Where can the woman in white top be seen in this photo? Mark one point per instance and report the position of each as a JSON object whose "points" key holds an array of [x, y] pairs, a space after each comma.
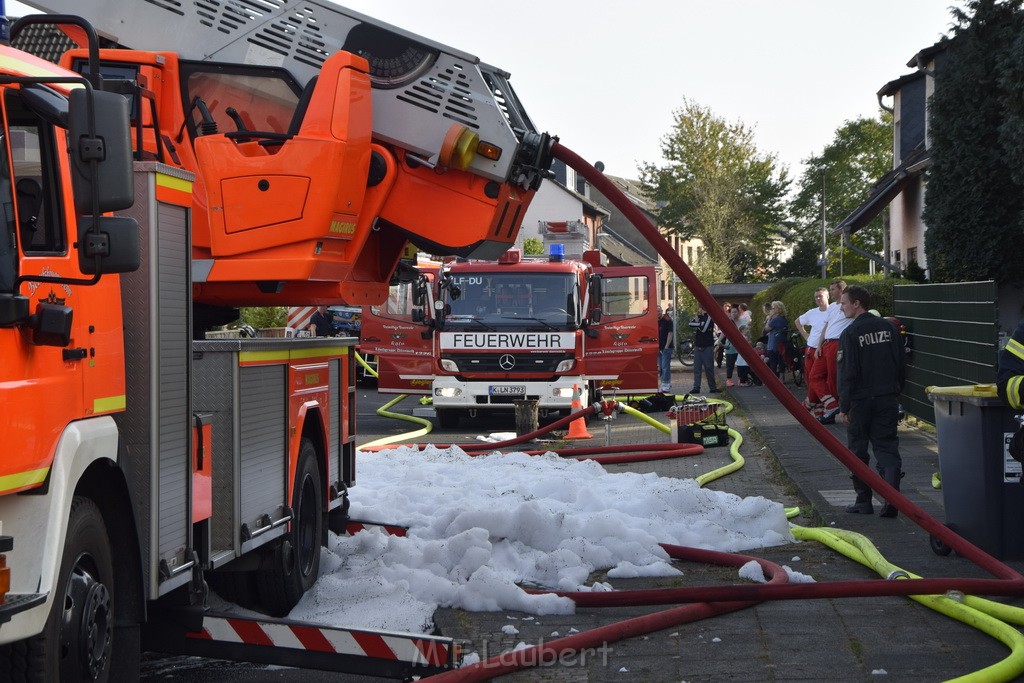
{"points": [[815, 319]]}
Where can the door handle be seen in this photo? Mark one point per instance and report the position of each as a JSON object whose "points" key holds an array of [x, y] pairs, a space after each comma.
{"points": [[74, 354]]}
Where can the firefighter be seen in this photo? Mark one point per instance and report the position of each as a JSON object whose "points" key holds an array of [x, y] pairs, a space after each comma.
{"points": [[1010, 375], [323, 322], [870, 374]]}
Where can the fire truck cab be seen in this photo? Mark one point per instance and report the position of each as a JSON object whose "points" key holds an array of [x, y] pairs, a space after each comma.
{"points": [[480, 335]]}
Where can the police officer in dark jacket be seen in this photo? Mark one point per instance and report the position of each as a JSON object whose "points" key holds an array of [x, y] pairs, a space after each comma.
{"points": [[870, 373]]}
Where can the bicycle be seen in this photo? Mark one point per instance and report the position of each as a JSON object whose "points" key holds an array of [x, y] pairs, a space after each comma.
{"points": [[792, 354], [684, 352]]}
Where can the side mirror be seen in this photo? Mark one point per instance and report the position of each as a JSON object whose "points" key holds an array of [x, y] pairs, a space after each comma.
{"points": [[111, 149], [595, 281], [50, 325], [13, 309], [419, 292], [118, 244]]}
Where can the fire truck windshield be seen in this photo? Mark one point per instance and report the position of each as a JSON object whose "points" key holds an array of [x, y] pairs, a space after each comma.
{"points": [[512, 299]]}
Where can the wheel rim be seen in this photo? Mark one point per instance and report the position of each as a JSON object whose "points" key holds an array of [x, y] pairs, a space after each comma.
{"points": [[306, 538], [86, 622]]}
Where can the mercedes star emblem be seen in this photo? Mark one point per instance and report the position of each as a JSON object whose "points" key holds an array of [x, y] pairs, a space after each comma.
{"points": [[507, 362]]}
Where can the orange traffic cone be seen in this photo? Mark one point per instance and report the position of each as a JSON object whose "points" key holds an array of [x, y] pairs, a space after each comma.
{"points": [[578, 427]]}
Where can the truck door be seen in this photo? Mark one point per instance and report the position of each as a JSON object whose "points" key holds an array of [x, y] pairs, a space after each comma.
{"points": [[397, 332], [621, 350]]}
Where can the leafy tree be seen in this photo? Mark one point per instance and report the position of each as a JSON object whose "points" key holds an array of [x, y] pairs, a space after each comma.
{"points": [[975, 186], [718, 187], [533, 245], [858, 156], [804, 260], [264, 316]]}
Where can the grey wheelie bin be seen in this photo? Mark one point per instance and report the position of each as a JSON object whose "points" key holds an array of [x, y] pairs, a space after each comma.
{"points": [[981, 483]]}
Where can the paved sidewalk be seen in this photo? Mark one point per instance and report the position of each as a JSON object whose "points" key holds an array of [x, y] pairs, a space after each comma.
{"points": [[890, 639], [909, 642]]}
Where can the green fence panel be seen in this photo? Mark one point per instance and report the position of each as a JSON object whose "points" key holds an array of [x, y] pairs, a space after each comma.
{"points": [[954, 338]]}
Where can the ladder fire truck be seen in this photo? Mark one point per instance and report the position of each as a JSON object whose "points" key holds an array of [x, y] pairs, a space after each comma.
{"points": [[143, 462], [478, 335]]}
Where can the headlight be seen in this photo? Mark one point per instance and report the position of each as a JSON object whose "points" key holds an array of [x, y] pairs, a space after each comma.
{"points": [[566, 365], [449, 365], [448, 392], [563, 392]]}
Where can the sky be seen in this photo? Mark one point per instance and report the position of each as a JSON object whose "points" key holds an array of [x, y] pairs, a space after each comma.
{"points": [[481, 526], [606, 76]]}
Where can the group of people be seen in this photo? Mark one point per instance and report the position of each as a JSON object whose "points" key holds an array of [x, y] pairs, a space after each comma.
{"points": [[855, 369], [854, 364]]}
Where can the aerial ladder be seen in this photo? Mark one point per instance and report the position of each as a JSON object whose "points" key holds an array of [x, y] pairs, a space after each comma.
{"points": [[321, 140], [146, 463]]}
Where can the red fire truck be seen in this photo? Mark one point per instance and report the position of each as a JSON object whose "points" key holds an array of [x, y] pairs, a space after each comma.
{"points": [[142, 462], [478, 335]]}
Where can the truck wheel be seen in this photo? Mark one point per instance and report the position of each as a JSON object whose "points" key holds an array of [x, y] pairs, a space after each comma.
{"points": [[447, 418], [238, 587], [77, 641], [295, 562]]}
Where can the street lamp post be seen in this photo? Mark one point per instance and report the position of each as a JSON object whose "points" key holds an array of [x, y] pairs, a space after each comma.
{"points": [[824, 245]]}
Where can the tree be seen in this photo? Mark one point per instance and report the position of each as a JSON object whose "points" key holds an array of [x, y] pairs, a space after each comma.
{"points": [[975, 191], [264, 317], [804, 260], [858, 156], [718, 187], [533, 245]]}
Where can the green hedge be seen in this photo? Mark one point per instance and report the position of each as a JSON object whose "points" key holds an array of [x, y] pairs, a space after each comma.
{"points": [[798, 296]]}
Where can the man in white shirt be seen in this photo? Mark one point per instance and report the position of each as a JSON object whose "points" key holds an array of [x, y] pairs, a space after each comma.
{"points": [[822, 378], [815, 319]]}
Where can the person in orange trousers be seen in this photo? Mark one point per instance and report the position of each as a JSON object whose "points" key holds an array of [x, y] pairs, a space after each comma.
{"points": [[815, 319], [823, 372]]}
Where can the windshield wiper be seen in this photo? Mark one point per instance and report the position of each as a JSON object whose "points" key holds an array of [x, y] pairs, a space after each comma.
{"points": [[523, 317], [466, 319]]}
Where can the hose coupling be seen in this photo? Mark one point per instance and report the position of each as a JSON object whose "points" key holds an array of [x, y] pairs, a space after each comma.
{"points": [[897, 574]]}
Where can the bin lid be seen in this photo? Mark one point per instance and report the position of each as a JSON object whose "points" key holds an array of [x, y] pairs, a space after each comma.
{"points": [[977, 394]]}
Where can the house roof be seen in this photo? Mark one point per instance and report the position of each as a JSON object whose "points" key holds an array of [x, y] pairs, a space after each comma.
{"points": [[634, 191], [894, 86], [619, 248], [885, 190], [725, 290], [924, 56]]}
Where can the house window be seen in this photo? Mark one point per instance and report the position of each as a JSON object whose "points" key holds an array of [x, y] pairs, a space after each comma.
{"points": [[897, 256], [689, 255], [912, 255]]}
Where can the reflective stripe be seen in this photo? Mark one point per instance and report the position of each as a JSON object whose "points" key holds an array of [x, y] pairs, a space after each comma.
{"points": [[1013, 392], [22, 479], [180, 184], [1016, 348], [109, 404], [31, 66], [291, 354]]}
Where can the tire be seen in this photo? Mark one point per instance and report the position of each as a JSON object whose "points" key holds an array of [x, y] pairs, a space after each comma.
{"points": [[295, 562], [78, 642], [240, 587], [447, 418], [938, 547]]}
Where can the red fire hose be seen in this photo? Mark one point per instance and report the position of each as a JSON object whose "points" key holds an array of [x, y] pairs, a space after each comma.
{"points": [[1009, 582]]}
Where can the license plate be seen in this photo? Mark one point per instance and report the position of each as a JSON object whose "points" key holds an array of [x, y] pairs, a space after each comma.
{"points": [[508, 390]]}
